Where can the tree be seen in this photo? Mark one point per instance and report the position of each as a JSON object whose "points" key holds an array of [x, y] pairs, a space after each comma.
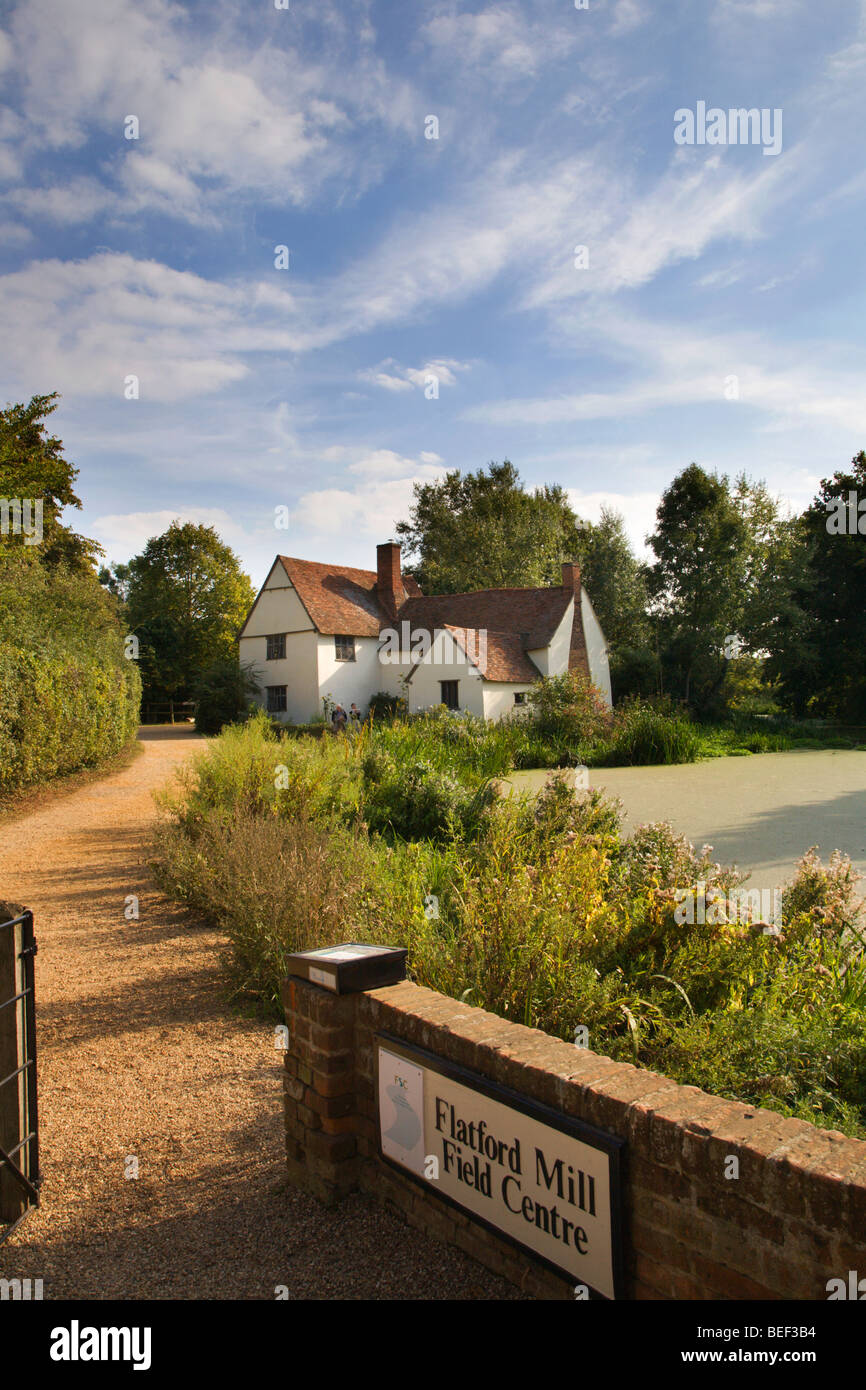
{"points": [[186, 598], [818, 649], [68, 695], [223, 693], [616, 583], [33, 469], [485, 531], [771, 550], [721, 584], [116, 580], [695, 584]]}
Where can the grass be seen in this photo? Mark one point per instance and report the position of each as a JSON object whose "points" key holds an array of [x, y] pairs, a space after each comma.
{"points": [[639, 734], [539, 909], [742, 736]]}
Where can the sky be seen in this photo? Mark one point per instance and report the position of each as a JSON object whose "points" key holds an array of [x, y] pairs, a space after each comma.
{"points": [[431, 171]]}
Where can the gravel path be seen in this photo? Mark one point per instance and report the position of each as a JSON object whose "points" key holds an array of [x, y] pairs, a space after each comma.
{"points": [[141, 1057]]}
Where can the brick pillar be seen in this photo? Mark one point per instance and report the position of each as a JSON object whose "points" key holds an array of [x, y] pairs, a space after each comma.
{"points": [[320, 1089]]}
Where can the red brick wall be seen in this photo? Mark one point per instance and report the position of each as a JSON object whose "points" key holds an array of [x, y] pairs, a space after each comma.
{"points": [[794, 1218]]}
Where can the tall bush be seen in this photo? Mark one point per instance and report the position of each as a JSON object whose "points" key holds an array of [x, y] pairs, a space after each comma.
{"points": [[69, 698], [61, 713]]}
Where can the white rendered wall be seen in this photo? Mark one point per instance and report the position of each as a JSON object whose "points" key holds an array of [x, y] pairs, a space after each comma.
{"points": [[445, 662], [298, 672], [277, 608], [345, 681], [499, 700], [560, 645], [596, 650], [553, 659]]}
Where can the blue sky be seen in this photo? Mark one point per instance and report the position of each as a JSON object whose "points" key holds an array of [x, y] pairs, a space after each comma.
{"points": [[410, 257]]}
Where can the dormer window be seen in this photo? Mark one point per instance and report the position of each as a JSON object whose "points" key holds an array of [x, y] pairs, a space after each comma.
{"points": [[344, 648]]}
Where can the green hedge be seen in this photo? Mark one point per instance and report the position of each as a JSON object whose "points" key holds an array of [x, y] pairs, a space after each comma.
{"points": [[61, 713]]}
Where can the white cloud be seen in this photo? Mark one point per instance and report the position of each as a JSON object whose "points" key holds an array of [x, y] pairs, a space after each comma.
{"points": [[501, 40], [627, 16], [86, 325], [442, 368], [385, 463], [378, 376], [722, 278], [392, 377], [14, 234], [89, 324], [85, 321], [332, 513], [126, 534], [150, 182], [630, 240], [11, 135], [674, 365], [638, 511], [506, 216], [223, 108], [370, 510], [79, 200]]}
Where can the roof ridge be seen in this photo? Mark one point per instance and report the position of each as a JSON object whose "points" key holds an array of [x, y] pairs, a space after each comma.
{"points": [[524, 589], [320, 564]]}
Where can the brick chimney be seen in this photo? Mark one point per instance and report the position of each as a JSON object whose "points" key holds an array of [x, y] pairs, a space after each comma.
{"points": [[389, 581], [571, 577], [578, 659]]}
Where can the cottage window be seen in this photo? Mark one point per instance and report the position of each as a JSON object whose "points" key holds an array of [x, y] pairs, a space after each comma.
{"points": [[449, 694], [276, 699], [520, 697], [344, 648], [276, 647]]}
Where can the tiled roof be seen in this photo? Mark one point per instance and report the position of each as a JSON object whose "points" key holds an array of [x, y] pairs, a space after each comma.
{"points": [[531, 611], [515, 620], [339, 599], [499, 656]]}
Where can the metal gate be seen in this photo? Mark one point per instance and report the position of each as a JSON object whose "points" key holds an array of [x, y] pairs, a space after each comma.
{"points": [[19, 1126]]}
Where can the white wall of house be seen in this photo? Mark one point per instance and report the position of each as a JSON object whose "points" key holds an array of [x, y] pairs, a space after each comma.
{"points": [[553, 659], [425, 688], [278, 609], [499, 700], [446, 661], [297, 672], [596, 649], [346, 681]]}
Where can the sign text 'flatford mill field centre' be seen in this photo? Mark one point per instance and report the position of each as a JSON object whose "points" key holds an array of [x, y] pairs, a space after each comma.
{"points": [[542, 1180]]}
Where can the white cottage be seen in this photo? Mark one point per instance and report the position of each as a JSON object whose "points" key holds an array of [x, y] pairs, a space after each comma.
{"points": [[328, 631]]}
